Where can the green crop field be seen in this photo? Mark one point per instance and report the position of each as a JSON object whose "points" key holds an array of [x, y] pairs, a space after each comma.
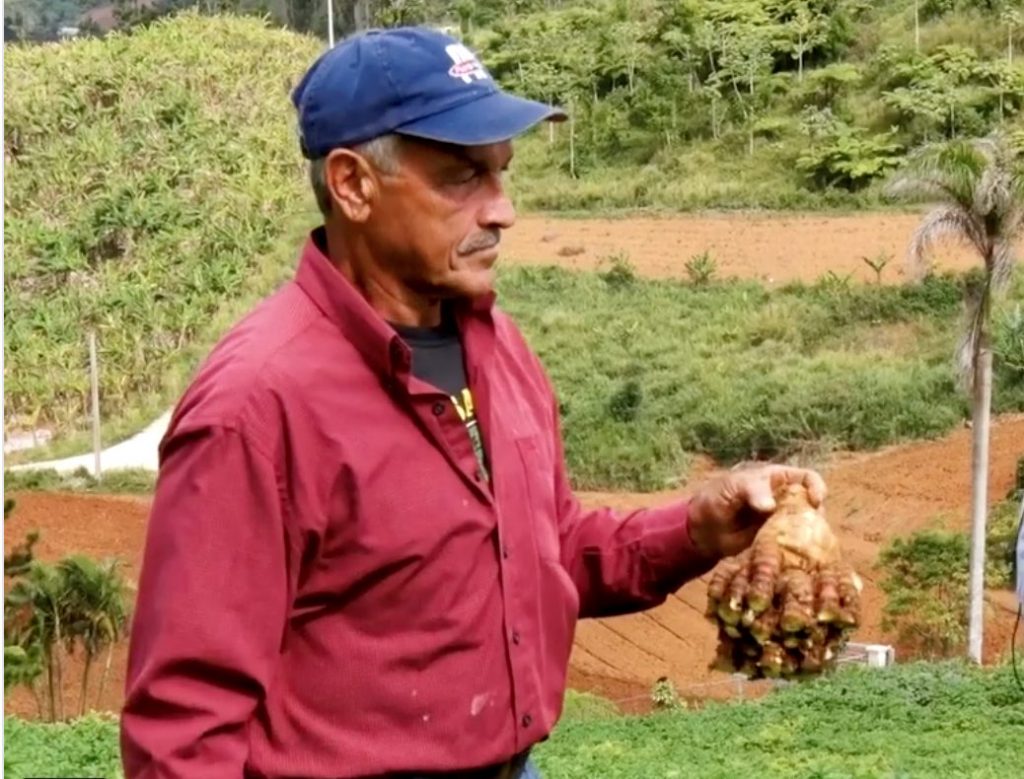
{"points": [[919, 721]]}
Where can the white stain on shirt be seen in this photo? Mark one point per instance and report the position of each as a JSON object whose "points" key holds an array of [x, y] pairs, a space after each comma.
{"points": [[478, 703]]}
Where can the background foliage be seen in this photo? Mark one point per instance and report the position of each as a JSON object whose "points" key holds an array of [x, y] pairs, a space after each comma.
{"points": [[154, 190], [145, 184], [649, 371]]}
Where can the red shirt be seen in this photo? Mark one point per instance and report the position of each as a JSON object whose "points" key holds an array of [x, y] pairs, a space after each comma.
{"points": [[330, 588]]}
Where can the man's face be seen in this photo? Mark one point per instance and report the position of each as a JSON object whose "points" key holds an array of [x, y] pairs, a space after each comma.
{"points": [[438, 219]]}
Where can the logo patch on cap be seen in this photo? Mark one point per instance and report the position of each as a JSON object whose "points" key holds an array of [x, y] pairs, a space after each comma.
{"points": [[467, 66]]}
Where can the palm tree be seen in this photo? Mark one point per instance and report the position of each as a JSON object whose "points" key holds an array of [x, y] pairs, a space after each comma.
{"points": [[980, 186], [50, 608], [34, 611], [95, 612]]}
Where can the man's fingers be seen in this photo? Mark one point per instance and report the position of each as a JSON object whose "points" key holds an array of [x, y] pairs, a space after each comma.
{"points": [[811, 480]]}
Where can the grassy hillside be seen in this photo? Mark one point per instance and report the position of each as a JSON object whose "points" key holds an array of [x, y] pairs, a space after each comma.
{"points": [[914, 722], [148, 179]]}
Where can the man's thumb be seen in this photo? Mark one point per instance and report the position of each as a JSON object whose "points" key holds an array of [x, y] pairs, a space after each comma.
{"points": [[760, 496]]}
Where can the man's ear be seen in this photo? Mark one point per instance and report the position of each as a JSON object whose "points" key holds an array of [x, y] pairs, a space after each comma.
{"points": [[352, 183]]}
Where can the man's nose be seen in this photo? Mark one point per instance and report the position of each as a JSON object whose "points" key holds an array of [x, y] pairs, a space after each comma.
{"points": [[498, 212]]}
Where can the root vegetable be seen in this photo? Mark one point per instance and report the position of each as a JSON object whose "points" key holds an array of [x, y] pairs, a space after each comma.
{"points": [[787, 606], [764, 625], [798, 602], [766, 562], [737, 591], [828, 595], [720, 582]]}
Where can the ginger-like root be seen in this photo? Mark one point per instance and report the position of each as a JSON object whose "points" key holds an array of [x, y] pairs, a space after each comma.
{"points": [[787, 606], [798, 604], [772, 659], [730, 610], [766, 562], [803, 535], [849, 587], [764, 625], [719, 584], [828, 595]]}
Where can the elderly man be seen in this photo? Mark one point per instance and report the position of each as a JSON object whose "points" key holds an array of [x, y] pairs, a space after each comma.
{"points": [[365, 557]]}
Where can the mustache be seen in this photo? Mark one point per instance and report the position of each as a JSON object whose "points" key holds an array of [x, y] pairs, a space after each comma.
{"points": [[487, 239]]}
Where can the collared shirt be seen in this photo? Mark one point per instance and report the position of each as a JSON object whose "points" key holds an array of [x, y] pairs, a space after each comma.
{"points": [[330, 587]]}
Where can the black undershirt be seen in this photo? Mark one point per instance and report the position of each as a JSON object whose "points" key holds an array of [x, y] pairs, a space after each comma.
{"points": [[437, 359]]}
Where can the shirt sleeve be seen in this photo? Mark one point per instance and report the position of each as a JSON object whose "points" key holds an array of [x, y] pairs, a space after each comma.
{"points": [[623, 563], [210, 612]]}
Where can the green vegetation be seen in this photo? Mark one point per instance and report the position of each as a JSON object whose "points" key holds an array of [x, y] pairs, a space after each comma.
{"points": [[926, 589], [649, 371], [132, 481], [914, 722], [926, 576], [52, 610], [188, 203], [746, 103], [85, 747], [148, 181]]}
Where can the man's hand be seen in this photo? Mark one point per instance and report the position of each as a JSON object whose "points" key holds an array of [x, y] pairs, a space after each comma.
{"points": [[727, 512]]}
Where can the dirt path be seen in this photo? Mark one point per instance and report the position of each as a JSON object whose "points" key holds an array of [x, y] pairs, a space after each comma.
{"points": [[873, 497], [775, 247]]}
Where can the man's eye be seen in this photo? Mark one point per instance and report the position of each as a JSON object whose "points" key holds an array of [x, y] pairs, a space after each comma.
{"points": [[464, 176]]}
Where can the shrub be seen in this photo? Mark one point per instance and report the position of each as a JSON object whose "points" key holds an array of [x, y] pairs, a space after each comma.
{"points": [[701, 269], [849, 159], [926, 587]]}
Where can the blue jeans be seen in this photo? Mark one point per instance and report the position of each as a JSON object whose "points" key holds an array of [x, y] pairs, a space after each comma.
{"points": [[530, 771]]}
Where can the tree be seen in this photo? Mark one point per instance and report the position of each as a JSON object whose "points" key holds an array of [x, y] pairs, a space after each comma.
{"points": [[33, 621], [803, 27], [51, 608], [95, 613], [981, 186], [746, 60], [1012, 18]]}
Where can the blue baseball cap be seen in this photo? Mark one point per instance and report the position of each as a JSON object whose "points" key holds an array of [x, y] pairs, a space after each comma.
{"points": [[411, 81]]}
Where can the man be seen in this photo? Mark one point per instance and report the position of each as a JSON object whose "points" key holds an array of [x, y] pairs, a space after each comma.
{"points": [[364, 556]]}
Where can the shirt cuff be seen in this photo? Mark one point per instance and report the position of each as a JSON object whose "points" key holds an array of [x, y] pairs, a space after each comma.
{"points": [[671, 555]]}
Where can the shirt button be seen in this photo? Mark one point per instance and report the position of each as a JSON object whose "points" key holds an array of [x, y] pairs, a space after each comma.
{"points": [[527, 720], [438, 409], [515, 637], [504, 552]]}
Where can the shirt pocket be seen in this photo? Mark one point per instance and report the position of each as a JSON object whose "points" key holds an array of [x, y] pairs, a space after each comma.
{"points": [[540, 509]]}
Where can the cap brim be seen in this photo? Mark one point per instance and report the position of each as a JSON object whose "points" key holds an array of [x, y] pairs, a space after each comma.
{"points": [[492, 119]]}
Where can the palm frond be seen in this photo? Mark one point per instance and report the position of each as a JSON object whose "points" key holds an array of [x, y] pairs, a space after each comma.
{"points": [[994, 193], [943, 221], [950, 171], [912, 184]]}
